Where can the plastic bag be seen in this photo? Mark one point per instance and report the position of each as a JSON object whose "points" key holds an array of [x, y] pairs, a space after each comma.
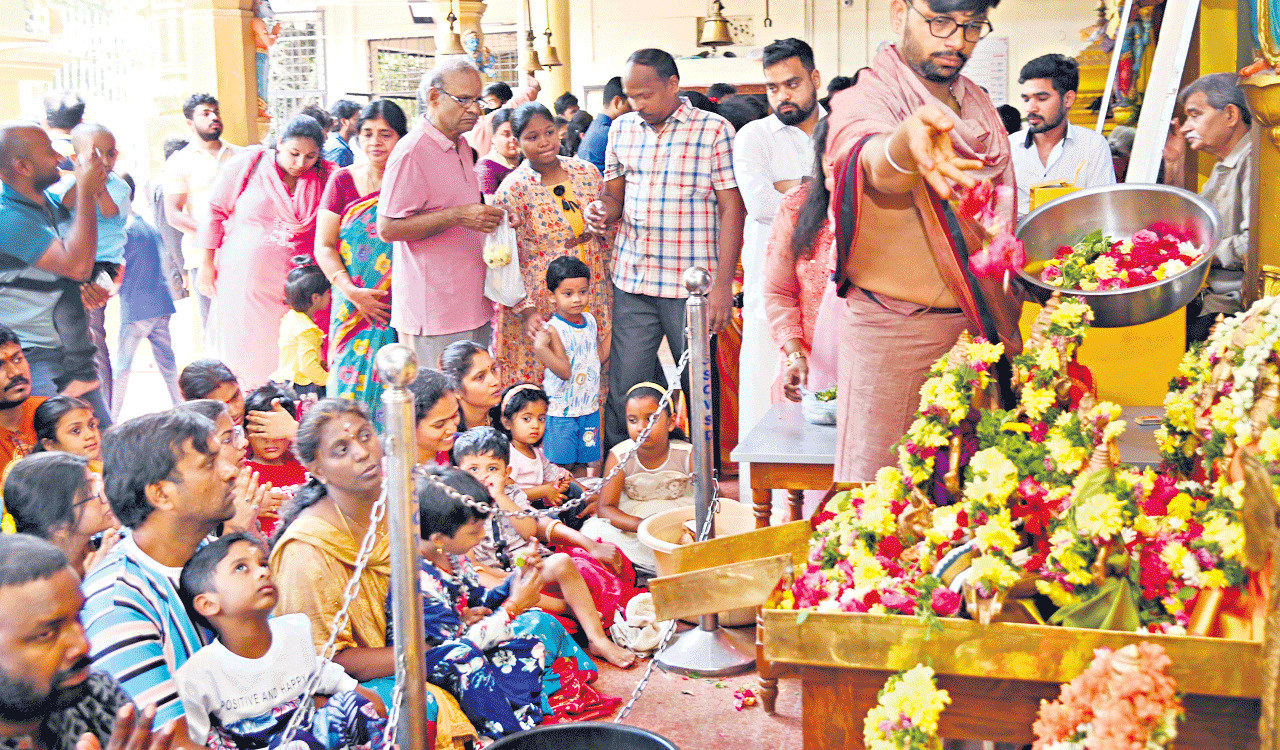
{"points": [[503, 282]]}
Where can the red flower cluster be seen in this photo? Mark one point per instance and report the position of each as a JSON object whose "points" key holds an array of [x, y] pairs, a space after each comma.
{"points": [[1138, 264]]}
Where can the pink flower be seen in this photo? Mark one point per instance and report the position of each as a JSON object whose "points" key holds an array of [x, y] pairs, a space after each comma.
{"points": [[944, 601]]}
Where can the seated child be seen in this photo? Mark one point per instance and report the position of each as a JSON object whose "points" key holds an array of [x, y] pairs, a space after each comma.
{"points": [[484, 453], [571, 348], [240, 691], [435, 415], [302, 364], [656, 478], [476, 654], [272, 457], [522, 417]]}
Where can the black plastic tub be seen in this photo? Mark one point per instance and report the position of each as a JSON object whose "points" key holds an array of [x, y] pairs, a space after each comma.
{"points": [[585, 735]]}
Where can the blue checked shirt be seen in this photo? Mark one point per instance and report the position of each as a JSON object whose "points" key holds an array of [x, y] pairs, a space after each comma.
{"points": [[670, 215]]}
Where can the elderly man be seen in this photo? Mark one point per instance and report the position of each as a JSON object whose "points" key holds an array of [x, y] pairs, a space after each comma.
{"points": [[1050, 148], [17, 405], [1218, 123], [170, 484], [669, 179], [46, 263], [910, 129], [51, 700], [431, 209], [771, 156]]}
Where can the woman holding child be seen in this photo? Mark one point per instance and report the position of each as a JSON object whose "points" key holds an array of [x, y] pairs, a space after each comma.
{"points": [[318, 542], [547, 192], [357, 262]]}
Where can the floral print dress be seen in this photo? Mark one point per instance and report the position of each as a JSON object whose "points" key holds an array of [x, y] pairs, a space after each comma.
{"points": [[547, 232]]}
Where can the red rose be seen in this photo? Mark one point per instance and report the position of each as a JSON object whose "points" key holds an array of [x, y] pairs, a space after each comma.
{"points": [[890, 547], [944, 601]]}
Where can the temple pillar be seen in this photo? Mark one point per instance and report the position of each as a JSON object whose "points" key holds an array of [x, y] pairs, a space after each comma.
{"points": [[468, 13], [218, 53], [1263, 92]]}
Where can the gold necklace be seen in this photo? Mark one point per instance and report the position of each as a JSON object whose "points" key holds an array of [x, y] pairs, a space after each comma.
{"points": [[342, 516]]}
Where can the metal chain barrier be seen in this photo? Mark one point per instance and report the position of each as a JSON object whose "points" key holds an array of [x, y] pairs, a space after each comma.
{"points": [[393, 711]]}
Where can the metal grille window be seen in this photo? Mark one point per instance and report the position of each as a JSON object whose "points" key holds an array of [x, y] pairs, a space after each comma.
{"points": [[297, 65], [397, 65]]}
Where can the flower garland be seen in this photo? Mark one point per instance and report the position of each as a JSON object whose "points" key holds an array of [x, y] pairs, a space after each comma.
{"points": [[1125, 700], [906, 713]]}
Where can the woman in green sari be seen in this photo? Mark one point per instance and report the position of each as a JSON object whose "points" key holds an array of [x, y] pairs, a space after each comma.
{"points": [[357, 262]]}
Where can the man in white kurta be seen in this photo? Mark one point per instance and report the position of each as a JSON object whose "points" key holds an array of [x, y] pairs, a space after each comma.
{"points": [[770, 156]]}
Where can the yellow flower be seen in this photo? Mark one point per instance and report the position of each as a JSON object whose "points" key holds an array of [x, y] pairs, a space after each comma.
{"points": [[1174, 556], [1057, 593], [360, 347], [1269, 445], [985, 352], [1180, 506], [995, 476], [382, 264], [1226, 533], [1071, 313], [1099, 515], [1113, 430], [1037, 401], [1066, 457], [992, 570], [1047, 358], [997, 533], [944, 524]]}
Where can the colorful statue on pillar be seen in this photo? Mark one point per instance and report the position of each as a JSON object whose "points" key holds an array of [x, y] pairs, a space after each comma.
{"points": [[481, 56], [1266, 35], [266, 30]]}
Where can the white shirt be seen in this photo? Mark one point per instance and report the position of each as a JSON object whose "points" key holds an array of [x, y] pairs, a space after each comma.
{"points": [[245, 695], [1079, 145], [765, 151], [192, 171]]}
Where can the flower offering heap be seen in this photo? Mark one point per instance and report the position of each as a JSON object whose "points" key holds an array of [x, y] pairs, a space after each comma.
{"points": [[906, 714], [1125, 700], [1103, 263], [986, 501]]}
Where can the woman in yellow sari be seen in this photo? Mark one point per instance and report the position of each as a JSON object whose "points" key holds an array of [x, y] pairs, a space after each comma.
{"points": [[315, 550]]}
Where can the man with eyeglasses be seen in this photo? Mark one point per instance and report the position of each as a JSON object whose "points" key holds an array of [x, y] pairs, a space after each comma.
{"points": [[910, 132], [432, 209], [1050, 148]]}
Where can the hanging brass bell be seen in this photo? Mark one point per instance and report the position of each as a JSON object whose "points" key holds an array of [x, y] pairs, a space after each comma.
{"points": [[715, 29]]}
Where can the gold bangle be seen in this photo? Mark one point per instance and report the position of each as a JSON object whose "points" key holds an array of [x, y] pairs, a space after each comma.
{"points": [[793, 356], [336, 274]]}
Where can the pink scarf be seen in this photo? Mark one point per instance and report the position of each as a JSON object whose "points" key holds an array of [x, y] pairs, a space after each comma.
{"points": [[296, 211]]}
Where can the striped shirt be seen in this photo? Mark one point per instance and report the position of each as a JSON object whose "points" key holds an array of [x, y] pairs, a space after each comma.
{"points": [[138, 630], [670, 215]]}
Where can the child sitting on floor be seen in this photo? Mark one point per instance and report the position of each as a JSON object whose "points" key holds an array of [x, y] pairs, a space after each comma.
{"points": [[240, 691], [302, 364], [522, 417], [484, 453], [658, 477], [571, 348], [509, 666], [272, 457]]}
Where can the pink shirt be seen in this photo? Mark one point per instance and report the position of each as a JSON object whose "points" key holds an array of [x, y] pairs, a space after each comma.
{"points": [[438, 285]]}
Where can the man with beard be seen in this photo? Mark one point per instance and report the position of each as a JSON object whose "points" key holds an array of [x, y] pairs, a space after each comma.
{"points": [[1218, 123], [1049, 148], [770, 156], [188, 180], [170, 485], [910, 129], [46, 256], [49, 698], [17, 405]]}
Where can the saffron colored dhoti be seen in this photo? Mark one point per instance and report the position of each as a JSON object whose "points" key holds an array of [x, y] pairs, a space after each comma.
{"points": [[886, 350]]}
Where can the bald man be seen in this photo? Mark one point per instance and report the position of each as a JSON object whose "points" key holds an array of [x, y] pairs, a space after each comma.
{"points": [[45, 253]]}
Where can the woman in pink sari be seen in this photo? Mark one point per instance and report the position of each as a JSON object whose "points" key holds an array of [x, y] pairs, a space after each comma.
{"points": [[261, 214]]}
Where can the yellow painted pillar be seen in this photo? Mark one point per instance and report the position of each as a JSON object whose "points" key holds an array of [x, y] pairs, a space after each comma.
{"points": [[25, 56], [467, 20], [558, 21], [1263, 92], [219, 57]]}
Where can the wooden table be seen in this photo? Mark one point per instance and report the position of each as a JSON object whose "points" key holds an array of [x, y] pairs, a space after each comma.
{"points": [[786, 453]]}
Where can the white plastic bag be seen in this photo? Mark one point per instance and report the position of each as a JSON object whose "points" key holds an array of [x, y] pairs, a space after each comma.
{"points": [[503, 282]]}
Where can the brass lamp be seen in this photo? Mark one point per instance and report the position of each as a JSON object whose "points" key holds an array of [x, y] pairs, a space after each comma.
{"points": [[454, 45], [715, 29]]}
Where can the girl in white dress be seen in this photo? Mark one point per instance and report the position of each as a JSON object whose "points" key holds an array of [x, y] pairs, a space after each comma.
{"points": [[655, 479]]}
